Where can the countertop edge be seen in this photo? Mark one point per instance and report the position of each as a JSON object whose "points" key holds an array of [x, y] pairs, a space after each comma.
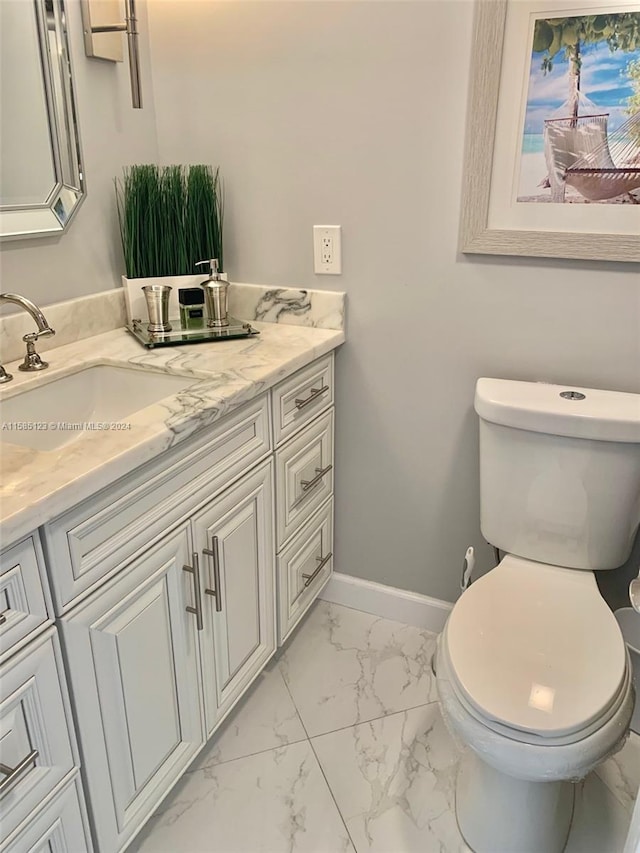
{"points": [[157, 438]]}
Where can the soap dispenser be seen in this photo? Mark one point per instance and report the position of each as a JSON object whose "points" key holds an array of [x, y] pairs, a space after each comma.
{"points": [[215, 294]]}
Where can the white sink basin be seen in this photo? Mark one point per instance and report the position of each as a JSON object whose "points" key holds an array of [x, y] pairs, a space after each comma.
{"points": [[51, 415]]}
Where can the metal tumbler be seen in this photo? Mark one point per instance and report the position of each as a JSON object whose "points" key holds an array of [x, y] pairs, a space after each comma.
{"points": [[157, 296], [216, 298]]}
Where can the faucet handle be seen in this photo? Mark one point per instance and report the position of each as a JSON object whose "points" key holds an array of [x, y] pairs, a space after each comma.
{"points": [[32, 360], [33, 336]]}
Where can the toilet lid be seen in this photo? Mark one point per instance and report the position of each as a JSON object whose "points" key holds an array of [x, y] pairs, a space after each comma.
{"points": [[536, 648]]}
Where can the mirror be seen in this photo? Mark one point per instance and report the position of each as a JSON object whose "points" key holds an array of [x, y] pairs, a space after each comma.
{"points": [[41, 175]]}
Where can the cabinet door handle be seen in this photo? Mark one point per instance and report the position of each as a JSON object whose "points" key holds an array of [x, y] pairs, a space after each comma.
{"points": [[195, 571], [315, 393], [320, 472], [323, 563], [213, 552], [14, 773]]}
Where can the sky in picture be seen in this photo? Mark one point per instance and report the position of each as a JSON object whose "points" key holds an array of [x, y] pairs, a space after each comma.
{"points": [[603, 80]]}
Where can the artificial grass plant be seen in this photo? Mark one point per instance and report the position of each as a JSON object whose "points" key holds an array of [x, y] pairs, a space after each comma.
{"points": [[170, 217]]}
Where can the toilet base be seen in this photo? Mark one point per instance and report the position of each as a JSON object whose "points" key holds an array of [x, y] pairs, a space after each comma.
{"points": [[500, 814]]}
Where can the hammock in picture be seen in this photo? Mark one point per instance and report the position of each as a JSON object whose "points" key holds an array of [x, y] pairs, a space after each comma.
{"points": [[580, 153]]}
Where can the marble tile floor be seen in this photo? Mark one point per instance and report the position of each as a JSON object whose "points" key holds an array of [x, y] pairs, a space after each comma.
{"points": [[340, 746]]}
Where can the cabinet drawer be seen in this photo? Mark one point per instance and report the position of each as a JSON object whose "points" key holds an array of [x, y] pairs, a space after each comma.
{"points": [[23, 606], [304, 567], [35, 745], [299, 399], [59, 826], [304, 472], [92, 540]]}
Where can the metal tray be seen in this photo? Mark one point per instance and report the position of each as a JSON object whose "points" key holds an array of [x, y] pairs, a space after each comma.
{"points": [[179, 336]]}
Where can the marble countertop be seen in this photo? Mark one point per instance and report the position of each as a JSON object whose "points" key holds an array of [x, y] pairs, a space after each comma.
{"points": [[36, 486]]}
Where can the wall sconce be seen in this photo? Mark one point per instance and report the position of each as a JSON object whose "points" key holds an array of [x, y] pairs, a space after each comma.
{"points": [[102, 37]]}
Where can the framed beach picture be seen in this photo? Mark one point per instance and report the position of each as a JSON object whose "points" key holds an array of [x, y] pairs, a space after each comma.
{"points": [[552, 154]]}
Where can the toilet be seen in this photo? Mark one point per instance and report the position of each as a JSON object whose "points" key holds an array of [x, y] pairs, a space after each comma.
{"points": [[533, 675]]}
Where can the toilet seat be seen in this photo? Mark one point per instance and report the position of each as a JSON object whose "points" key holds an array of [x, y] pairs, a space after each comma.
{"points": [[534, 738], [535, 653]]}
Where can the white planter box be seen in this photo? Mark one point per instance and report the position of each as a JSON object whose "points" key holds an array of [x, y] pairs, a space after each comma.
{"points": [[134, 297]]}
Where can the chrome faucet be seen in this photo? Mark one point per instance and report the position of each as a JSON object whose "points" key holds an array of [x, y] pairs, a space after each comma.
{"points": [[32, 360]]}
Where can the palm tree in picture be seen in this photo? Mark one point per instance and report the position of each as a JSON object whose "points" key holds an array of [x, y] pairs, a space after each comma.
{"points": [[568, 36]]}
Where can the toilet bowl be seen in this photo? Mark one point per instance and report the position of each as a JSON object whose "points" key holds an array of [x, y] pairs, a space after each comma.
{"points": [[534, 678], [531, 668]]}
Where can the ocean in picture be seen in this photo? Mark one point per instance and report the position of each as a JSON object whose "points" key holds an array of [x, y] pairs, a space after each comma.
{"points": [[532, 143], [584, 98]]}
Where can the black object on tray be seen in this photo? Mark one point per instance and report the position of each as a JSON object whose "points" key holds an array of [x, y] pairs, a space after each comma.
{"points": [[180, 335]]}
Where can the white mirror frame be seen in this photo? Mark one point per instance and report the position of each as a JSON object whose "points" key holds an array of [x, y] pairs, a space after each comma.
{"points": [[54, 215]]}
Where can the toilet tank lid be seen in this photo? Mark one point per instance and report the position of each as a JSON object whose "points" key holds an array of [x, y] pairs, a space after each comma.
{"points": [[560, 409]]}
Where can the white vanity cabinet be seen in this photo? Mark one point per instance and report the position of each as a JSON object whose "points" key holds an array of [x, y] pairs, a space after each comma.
{"points": [[38, 755], [164, 648], [172, 588], [303, 407]]}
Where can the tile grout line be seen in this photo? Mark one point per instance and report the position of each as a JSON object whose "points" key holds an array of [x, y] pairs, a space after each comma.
{"points": [[330, 789], [247, 754], [266, 749], [318, 762], [341, 728], [373, 719]]}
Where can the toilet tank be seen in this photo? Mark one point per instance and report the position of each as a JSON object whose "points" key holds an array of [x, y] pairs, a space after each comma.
{"points": [[559, 472]]}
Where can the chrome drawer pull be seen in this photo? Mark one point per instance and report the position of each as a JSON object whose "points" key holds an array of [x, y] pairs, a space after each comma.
{"points": [[195, 571], [320, 472], [323, 563], [216, 573], [315, 392], [14, 773]]}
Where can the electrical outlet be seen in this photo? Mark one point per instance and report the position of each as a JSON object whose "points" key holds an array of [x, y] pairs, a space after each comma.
{"points": [[327, 250]]}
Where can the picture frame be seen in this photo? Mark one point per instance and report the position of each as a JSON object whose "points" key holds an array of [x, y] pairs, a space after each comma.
{"points": [[477, 235]]}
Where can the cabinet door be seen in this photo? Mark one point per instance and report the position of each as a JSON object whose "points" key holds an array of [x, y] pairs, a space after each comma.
{"points": [[133, 664], [234, 536]]}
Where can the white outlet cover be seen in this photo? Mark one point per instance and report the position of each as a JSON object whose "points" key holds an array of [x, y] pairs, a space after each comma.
{"points": [[327, 249]]}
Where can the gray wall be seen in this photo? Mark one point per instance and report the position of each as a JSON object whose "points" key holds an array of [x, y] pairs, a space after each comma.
{"points": [[350, 113], [353, 113], [87, 258]]}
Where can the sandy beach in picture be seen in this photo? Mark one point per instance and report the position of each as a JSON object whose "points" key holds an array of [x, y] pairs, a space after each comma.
{"points": [[533, 173]]}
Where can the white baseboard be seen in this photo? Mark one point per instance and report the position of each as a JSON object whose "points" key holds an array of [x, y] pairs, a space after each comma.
{"points": [[387, 601]]}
